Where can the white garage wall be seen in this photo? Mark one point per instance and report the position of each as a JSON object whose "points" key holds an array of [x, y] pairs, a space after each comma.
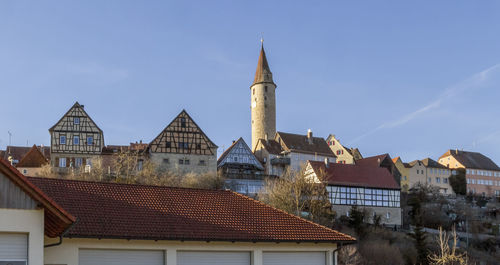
{"points": [[67, 253], [30, 223]]}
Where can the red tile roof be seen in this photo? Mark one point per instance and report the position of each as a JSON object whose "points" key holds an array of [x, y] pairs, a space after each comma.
{"points": [[373, 160], [56, 219], [34, 158], [125, 211], [355, 175]]}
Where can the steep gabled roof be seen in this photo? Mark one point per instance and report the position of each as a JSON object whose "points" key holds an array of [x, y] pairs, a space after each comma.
{"points": [[18, 152], [154, 144], [355, 175], [373, 160], [300, 144], [77, 109], [428, 162], [263, 73], [271, 146], [56, 219], [126, 211], [34, 158], [472, 159], [239, 149]]}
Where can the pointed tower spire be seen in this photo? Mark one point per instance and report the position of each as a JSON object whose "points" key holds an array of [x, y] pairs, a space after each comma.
{"points": [[263, 73]]}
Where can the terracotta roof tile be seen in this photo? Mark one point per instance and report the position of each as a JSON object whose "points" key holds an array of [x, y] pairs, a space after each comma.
{"points": [[299, 143], [110, 210], [356, 175], [472, 159], [34, 158]]}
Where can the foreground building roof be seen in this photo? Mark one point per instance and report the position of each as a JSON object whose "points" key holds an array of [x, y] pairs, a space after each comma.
{"points": [[56, 219], [472, 159], [125, 211], [355, 175]]}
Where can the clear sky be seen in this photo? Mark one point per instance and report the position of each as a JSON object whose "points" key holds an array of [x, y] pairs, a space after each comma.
{"points": [[409, 78]]}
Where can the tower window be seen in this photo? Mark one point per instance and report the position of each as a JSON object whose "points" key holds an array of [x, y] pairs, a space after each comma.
{"points": [[265, 98], [265, 88], [253, 92]]}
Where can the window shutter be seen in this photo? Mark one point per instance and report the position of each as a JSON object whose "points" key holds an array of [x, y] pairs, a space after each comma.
{"points": [[57, 162]]}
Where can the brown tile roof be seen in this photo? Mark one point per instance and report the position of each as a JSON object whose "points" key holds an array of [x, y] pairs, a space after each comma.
{"points": [[373, 160], [263, 73], [428, 162], [300, 144], [271, 146], [18, 152], [56, 219], [472, 159], [34, 158], [355, 175], [125, 211]]}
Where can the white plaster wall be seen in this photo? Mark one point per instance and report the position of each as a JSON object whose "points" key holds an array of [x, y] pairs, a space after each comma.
{"points": [[29, 222], [67, 253], [394, 213]]}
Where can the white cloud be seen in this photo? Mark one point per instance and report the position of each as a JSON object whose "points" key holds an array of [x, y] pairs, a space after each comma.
{"points": [[473, 82]]}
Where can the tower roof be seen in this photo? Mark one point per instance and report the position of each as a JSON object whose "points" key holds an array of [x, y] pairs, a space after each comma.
{"points": [[263, 73]]}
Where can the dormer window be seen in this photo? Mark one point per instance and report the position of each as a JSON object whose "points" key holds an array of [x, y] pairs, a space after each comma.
{"points": [[76, 120]]}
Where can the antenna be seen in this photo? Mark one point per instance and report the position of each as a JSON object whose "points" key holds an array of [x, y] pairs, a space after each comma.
{"points": [[10, 137]]}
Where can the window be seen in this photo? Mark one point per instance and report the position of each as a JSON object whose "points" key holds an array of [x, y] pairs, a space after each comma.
{"points": [[62, 139], [183, 145], [25, 171], [90, 140], [388, 215], [88, 161], [139, 165], [438, 180], [429, 180], [202, 163], [166, 161], [198, 146], [186, 162], [76, 120], [183, 122], [253, 92], [235, 159], [78, 162], [404, 177], [445, 180], [168, 144], [265, 88], [62, 162], [76, 140], [181, 161]]}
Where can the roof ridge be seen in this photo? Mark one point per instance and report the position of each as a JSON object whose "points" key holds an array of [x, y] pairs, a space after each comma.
{"points": [[292, 215], [127, 184]]}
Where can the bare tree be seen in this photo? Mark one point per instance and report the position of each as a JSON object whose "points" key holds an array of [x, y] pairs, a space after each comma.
{"points": [[447, 255]]}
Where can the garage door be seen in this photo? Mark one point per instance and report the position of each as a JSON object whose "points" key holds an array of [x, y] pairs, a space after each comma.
{"points": [[120, 257], [212, 258], [14, 248], [294, 258]]}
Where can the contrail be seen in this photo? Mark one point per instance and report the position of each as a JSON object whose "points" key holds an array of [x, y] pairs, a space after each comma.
{"points": [[473, 81]]}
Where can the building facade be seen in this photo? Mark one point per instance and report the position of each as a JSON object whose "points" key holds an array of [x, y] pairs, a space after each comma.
{"points": [[344, 154], [75, 140], [289, 151], [482, 174], [370, 188], [404, 170], [183, 147], [241, 169], [428, 171]]}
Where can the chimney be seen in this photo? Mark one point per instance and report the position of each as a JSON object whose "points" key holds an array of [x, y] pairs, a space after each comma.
{"points": [[456, 151], [234, 141], [83, 106], [310, 136], [327, 162], [265, 137]]}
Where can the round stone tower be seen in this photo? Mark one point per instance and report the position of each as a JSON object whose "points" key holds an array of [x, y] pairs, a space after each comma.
{"points": [[263, 102]]}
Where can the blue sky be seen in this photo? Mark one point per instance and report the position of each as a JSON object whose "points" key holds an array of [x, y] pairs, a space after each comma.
{"points": [[409, 78]]}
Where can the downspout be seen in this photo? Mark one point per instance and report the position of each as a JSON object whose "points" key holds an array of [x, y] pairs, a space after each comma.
{"points": [[61, 236], [336, 250]]}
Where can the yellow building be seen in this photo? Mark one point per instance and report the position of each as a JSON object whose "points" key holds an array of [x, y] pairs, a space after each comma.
{"points": [[404, 169], [344, 154]]}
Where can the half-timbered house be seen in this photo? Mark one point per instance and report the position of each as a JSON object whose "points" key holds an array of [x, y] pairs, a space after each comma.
{"points": [[183, 147], [241, 169], [75, 140]]}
